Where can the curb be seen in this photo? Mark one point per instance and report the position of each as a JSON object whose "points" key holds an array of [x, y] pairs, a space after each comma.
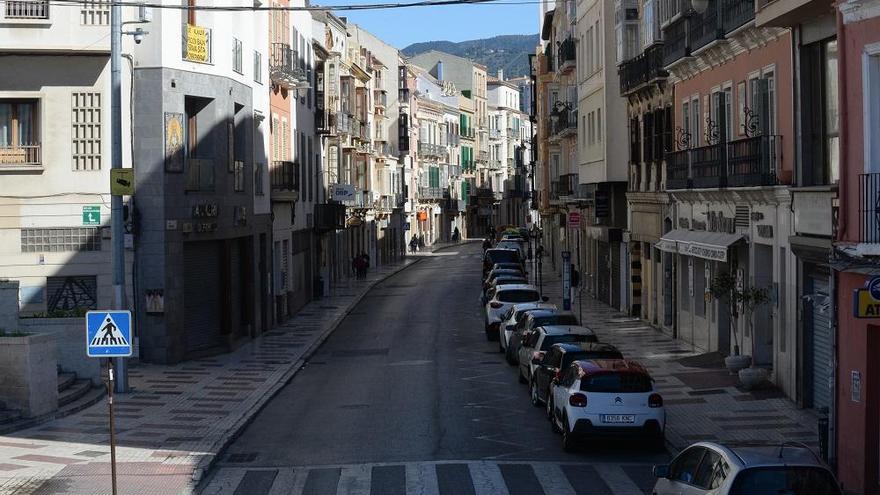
{"points": [[208, 461]]}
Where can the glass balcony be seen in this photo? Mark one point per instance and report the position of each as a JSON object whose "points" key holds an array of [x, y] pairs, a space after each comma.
{"points": [[675, 41]]}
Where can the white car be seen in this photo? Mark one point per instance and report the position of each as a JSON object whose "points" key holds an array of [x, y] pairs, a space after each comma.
{"points": [[538, 341], [517, 314], [711, 468], [503, 299], [518, 244], [606, 398]]}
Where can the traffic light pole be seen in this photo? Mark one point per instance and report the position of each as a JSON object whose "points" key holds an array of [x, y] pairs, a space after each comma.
{"points": [[117, 235]]}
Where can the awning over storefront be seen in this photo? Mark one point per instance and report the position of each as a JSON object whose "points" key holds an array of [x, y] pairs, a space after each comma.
{"points": [[708, 245]]}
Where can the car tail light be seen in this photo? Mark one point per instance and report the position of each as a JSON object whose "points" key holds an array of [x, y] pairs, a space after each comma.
{"points": [[538, 355], [495, 304], [558, 375], [577, 400], [655, 400]]}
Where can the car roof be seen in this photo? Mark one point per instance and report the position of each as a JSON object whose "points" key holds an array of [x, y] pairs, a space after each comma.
{"points": [[543, 313], [502, 264], [764, 454], [564, 329], [586, 346], [599, 366], [512, 239], [532, 306], [492, 250], [496, 271]]}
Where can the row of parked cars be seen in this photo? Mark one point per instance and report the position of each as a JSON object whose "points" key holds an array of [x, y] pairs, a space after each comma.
{"points": [[590, 390]]}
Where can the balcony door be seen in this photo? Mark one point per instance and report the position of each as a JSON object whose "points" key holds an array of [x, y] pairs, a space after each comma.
{"points": [[18, 126]]}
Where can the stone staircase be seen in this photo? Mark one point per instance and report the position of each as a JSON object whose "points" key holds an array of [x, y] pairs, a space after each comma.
{"points": [[74, 395]]}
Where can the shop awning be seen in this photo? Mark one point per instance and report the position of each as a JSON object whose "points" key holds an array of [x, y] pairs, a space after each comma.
{"points": [[708, 245]]}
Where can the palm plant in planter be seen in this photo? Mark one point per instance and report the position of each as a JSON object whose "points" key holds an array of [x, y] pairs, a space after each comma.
{"points": [[741, 300]]}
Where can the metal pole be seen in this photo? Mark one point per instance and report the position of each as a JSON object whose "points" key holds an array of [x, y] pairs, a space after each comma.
{"points": [[117, 234], [112, 432]]}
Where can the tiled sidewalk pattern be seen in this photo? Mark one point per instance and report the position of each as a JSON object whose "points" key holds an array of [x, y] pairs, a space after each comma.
{"points": [[175, 420], [701, 404]]}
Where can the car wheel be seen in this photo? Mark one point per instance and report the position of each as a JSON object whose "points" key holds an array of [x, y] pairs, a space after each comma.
{"points": [[549, 408], [509, 356], [533, 393], [568, 441], [554, 425]]}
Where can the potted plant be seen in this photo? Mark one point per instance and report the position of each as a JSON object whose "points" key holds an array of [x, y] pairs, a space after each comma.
{"points": [[741, 300]]}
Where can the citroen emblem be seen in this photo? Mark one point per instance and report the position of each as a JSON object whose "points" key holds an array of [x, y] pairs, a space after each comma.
{"points": [[618, 400]]}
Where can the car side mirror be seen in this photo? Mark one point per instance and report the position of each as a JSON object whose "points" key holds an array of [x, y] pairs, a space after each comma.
{"points": [[661, 471], [545, 298]]}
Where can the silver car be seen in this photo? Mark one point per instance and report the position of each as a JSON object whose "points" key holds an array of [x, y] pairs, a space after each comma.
{"points": [[711, 468]]}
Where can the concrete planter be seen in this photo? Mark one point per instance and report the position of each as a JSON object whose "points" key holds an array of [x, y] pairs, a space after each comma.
{"points": [[735, 363], [29, 374], [752, 378], [70, 344]]}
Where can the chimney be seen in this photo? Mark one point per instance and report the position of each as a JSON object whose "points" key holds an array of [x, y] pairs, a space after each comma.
{"points": [[500, 74], [439, 70]]}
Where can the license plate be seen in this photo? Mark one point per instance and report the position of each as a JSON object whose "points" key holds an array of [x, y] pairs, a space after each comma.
{"points": [[618, 418]]}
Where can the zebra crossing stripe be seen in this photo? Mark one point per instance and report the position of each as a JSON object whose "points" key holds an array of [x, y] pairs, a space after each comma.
{"points": [[552, 479], [285, 482], [421, 479], [354, 480], [487, 478]]}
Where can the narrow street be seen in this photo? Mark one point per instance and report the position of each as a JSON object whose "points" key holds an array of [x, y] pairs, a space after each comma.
{"points": [[407, 396]]}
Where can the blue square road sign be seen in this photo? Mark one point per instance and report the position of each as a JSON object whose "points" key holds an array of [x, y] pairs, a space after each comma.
{"points": [[108, 333]]}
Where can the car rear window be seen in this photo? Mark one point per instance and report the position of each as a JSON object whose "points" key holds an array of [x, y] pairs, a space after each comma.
{"points": [[784, 480], [503, 256], [542, 321], [617, 383], [566, 338], [518, 295], [571, 357]]}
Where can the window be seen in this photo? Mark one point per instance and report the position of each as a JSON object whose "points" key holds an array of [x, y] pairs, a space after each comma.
{"points": [[599, 124], [96, 13], [19, 132], [86, 131], [258, 67], [62, 239], [617, 383], [72, 293], [871, 106], [820, 160], [684, 467], [695, 122], [237, 65], [238, 175], [259, 171], [706, 471]]}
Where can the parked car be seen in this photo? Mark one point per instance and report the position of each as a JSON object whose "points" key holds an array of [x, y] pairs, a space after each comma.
{"points": [[502, 299], [501, 271], [500, 280], [707, 467], [542, 338], [495, 255], [606, 398], [551, 364], [535, 319], [517, 314], [510, 266], [511, 243]]}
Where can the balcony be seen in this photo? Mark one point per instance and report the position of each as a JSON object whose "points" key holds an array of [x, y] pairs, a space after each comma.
{"points": [[563, 121], [567, 56], [431, 193], [432, 150], [705, 28], [454, 171], [386, 202], [494, 133], [749, 162], [325, 121], [385, 149], [345, 123], [197, 44], [27, 9], [645, 68], [284, 178], [869, 210], [20, 157], [363, 148], [362, 200], [482, 156], [675, 41], [283, 66], [380, 98], [736, 13]]}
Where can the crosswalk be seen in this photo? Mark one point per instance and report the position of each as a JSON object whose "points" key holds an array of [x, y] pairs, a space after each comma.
{"points": [[436, 478]]}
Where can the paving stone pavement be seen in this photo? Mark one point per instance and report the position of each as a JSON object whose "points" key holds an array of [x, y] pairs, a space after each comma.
{"points": [[702, 404], [172, 425]]}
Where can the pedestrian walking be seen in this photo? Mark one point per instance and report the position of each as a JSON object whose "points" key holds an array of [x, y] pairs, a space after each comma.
{"points": [[365, 263], [456, 235], [354, 266], [413, 244], [421, 241]]}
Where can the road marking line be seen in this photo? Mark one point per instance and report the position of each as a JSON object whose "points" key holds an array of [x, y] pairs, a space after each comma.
{"points": [[299, 481], [421, 479], [284, 482], [552, 479], [616, 478], [226, 481], [487, 479], [354, 480]]}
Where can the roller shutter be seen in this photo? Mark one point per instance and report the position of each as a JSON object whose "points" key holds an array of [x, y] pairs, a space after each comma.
{"points": [[201, 287]]}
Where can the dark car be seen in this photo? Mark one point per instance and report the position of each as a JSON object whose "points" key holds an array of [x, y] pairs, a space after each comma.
{"points": [[493, 256], [509, 265], [559, 357], [534, 320]]}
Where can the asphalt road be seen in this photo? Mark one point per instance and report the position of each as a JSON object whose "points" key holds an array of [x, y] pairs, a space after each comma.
{"points": [[408, 380]]}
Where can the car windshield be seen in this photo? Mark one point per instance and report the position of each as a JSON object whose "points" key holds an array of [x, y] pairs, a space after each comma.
{"points": [[543, 321], [503, 256], [571, 357], [784, 480], [617, 383], [566, 338], [518, 295]]}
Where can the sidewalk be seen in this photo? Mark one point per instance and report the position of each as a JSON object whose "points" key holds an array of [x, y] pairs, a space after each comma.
{"points": [[702, 399], [177, 419]]}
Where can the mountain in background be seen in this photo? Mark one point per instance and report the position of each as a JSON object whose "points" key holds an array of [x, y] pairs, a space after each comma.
{"points": [[507, 52]]}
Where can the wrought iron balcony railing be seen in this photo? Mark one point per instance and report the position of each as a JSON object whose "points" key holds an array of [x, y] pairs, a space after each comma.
{"points": [[706, 27], [748, 162], [567, 55], [426, 192], [432, 150], [284, 176], [20, 155], [869, 208], [642, 69], [283, 66], [675, 41]]}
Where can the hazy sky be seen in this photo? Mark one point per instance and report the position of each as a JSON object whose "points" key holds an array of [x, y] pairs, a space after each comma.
{"points": [[401, 27]]}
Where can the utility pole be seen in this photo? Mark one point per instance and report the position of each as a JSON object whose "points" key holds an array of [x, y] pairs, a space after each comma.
{"points": [[117, 232]]}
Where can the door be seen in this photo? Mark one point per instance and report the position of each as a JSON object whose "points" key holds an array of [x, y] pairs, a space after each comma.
{"points": [[817, 315], [602, 276], [201, 295], [668, 291], [682, 473], [762, 319]]}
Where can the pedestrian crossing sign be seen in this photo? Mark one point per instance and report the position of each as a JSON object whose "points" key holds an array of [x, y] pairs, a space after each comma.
{"points": [[108, 333]]}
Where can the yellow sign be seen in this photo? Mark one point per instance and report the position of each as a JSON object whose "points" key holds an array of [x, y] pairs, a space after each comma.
{"points": [[197, 49], [864, 304], [122, 181]]}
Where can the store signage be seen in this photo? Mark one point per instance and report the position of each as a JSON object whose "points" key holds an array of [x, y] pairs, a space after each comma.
{"points": [[574, 220], [205, 210], [666, 245], [197, 44], [719, 223], [765, 231], [705, 251], [866, 301], [342, 192]]}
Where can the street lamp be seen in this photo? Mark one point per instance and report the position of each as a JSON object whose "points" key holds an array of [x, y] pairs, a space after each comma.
{"points": [[700, 6]]}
